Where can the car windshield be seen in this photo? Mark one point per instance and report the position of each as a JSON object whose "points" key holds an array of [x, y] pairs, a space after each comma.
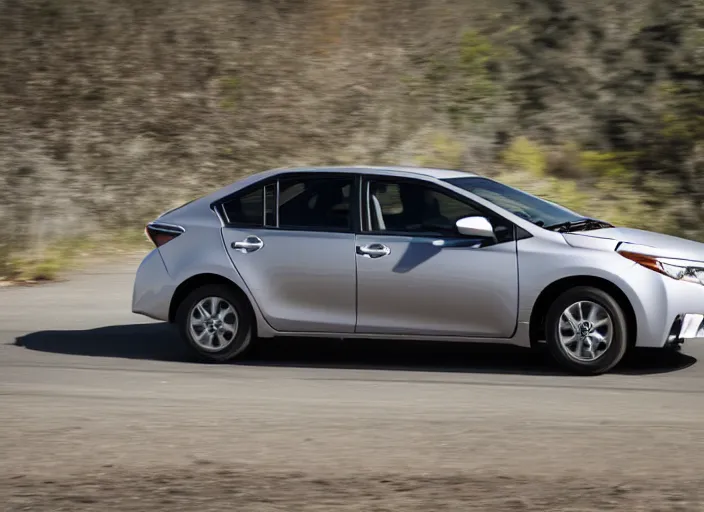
{"points": [[532, 208]]}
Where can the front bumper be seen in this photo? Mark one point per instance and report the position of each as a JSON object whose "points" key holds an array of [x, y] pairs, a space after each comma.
{"points": [[686, 328], [668, 312]]}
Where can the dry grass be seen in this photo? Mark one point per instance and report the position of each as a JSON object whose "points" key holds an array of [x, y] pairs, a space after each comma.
{"points": [[68, 254], [112, 111]]}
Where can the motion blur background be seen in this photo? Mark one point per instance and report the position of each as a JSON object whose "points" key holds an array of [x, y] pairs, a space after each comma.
{"points": [[112, 111]]}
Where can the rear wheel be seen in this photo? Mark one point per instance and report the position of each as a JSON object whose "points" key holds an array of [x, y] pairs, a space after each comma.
{"points": [[215, 323], [587, 331]]}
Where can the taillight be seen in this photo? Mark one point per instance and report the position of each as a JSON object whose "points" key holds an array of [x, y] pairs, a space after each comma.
{"points": [[160, 234]]}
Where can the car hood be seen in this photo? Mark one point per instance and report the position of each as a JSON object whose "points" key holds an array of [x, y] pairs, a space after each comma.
{"points": [[656, 244]]}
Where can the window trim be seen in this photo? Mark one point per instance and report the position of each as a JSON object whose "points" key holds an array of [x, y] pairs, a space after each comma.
{"points": [[366, 209], [276, 205], [355, 197]]}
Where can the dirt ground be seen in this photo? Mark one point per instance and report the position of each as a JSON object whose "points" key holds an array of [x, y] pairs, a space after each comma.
{"points": [[101, 410], [215, 488]]}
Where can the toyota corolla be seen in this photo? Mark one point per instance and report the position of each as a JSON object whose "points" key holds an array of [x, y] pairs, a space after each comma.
{"points": [[414, 253]]}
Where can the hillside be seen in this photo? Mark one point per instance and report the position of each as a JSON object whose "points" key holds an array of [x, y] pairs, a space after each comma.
{"points": [[114, 110]]}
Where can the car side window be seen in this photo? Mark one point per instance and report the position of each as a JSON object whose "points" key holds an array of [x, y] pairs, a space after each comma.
{"points": [[408, 207], [322, 203], [246, 209]]}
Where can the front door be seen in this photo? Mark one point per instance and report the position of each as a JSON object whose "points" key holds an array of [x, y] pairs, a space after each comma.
{"points": [[299, 265], [416, 275]]}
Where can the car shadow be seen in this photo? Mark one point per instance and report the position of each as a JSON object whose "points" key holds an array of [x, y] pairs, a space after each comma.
{"points": [[160, 342]]}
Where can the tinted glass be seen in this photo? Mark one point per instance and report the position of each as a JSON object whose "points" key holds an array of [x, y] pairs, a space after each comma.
{"points": [[316, 203], [408, 207], [522, 204], [247, 209]]}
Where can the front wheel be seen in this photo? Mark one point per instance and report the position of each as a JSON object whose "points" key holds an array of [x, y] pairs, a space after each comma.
{"points": [[587, 331], [215, 323]]}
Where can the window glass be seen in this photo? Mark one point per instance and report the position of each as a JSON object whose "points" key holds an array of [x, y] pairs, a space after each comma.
{"points": [[408, 207], [532, 208], [315, 203], [246, 209]]}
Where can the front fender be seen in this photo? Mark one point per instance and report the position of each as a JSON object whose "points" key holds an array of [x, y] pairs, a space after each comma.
{"points": [[542, 263]]}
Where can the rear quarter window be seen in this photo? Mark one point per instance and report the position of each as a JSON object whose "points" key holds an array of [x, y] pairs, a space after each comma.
{"points": [[246, 209]]}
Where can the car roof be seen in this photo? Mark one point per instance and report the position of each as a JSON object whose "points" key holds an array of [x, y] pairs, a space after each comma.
{"points": [[370, 169]]}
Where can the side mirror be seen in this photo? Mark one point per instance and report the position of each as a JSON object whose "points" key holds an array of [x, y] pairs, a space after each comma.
{"points": [[475, 226]]}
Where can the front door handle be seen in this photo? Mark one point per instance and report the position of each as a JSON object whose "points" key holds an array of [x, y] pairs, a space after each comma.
{"points": [[373, 250], [249, 244]]}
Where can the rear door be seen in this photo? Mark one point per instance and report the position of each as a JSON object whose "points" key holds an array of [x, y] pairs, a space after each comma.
{"points": [[292, 241], [417, 275]]}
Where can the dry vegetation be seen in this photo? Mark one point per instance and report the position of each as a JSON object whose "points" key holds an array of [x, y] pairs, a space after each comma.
{"points": [[113, 110]]}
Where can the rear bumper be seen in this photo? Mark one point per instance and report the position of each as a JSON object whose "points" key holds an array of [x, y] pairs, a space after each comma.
{"points": [[153, 288]]}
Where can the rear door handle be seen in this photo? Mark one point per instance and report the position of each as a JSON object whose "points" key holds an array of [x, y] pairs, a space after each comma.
{"points": [[249, 244], [373, 250]]}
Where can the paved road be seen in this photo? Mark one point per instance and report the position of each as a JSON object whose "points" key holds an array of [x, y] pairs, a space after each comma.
{"points": [[101, 409]]}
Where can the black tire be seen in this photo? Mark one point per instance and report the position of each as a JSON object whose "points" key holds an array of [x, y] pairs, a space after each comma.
{"points": [[238, 344], [619, 343]]}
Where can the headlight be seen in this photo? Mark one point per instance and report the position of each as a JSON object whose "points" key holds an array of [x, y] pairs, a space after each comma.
{"points": [[682, 270]]}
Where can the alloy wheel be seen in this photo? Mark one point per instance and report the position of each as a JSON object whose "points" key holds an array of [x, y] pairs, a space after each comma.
{"points": [[585, 331], [213, 324]]}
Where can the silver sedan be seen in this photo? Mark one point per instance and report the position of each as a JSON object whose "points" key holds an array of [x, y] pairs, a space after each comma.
{"points": [[414, 253]]}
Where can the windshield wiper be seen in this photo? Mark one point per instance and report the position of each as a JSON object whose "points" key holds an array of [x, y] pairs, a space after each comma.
{"points": [[574, 225]]}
